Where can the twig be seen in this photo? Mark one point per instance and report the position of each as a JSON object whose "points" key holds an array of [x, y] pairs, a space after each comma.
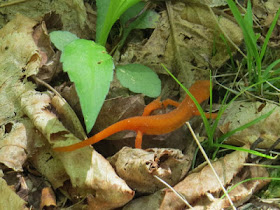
{"points": [[176, 193], [209, 163]]}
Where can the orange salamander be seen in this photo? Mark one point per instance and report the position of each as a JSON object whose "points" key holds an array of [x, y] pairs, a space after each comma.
{"points": [[153, 124]]}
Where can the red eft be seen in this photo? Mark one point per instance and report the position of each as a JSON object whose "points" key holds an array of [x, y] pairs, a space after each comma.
{"points": [[153, 124]]}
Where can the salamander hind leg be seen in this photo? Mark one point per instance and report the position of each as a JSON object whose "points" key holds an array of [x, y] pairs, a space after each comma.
{"points": [[138, 140], [208, 115]]}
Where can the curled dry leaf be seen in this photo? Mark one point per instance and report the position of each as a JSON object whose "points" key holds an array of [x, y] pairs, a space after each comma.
{"points": [[138, 167], [14, 142], [88, 171], [48, 198], [65, 113], [194, 186], [240, 113]]}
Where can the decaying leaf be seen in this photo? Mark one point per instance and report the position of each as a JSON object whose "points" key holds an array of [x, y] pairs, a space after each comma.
{"points": [[240, 113], [17, 140], [239, 195], [72, 13], [196, 185], [264, 12], [17, 132], [138, 167], [9, 199]]}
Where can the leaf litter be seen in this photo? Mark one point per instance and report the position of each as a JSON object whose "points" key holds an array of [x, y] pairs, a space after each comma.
{"points": [[31, 121], [87, 170], [197, 185]]}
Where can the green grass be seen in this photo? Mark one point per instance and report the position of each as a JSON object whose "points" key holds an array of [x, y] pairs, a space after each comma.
{"points": [[255, 57]]}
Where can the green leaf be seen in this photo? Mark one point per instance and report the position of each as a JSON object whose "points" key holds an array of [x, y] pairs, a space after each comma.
{"points": [[149, 19], [91, 69], [108, 12], [139, 79], [62, 38]]}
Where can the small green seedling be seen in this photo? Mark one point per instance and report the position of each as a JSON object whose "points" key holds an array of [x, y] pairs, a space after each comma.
{"points": [[91, 68]]}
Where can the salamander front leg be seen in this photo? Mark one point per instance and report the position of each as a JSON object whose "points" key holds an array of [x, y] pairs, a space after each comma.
{"points": [[170, 102]]}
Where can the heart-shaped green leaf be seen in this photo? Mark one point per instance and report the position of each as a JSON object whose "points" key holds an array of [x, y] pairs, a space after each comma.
{"points": [[139, 79]]}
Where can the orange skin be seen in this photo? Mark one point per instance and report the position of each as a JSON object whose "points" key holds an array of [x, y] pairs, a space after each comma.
{"points": [[155, 124]]}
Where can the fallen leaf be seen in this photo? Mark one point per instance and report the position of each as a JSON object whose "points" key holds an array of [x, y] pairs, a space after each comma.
{"points": [[138, 167], [198, 184], [195, 186], [17, 133], [73, 10], [9, 199], [240, 113]]}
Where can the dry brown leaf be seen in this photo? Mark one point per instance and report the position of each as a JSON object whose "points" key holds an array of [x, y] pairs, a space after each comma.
{"points": [[48, 198], [116, 109], [17, 138], [240, 113], [195, 185], [239, 195], [17, 133], [138, 167], [198, 184], [50, 167]]}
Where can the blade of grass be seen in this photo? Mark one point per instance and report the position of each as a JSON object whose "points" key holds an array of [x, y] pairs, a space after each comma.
{"points": [[253, 152], [205, 121], [248, 33], [210, 165], [269, 68], [258, 119], [265, 43], [251, 179]]}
